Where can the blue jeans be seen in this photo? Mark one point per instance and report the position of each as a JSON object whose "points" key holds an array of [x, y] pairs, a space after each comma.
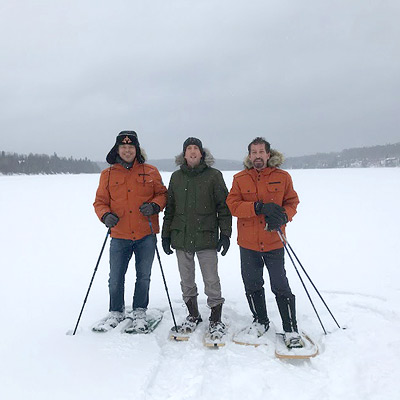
{"points": [[121, 251]]}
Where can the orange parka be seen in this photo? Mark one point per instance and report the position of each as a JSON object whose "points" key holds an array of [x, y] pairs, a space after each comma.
{"points": [[269, 185], [122, 191]]}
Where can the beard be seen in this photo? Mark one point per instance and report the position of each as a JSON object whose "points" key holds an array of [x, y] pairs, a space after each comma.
{"points": [[259, 163]]}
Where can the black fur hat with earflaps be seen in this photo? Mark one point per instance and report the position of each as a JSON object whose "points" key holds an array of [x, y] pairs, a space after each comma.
{"points": [[125, 137]]}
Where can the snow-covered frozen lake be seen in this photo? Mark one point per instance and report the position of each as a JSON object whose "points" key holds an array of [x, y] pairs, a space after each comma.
{"points": [[346, 234]]}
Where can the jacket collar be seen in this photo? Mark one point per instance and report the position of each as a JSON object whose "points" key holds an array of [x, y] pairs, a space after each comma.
{"points": [[119, 166], [193, 171], [208, 158], [254, 173], [125, 164]]}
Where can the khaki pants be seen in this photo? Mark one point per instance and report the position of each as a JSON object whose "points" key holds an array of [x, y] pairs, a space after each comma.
{"points": [[209, 269]]}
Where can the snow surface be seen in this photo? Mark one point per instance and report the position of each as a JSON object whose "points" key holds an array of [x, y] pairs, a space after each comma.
{"points": [[345, 234]]}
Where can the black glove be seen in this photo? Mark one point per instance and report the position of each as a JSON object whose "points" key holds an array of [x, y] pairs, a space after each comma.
{"points": [[223, 242], [110, 219], [148, 209], [270, 209], [166, 245], [273, 223]]}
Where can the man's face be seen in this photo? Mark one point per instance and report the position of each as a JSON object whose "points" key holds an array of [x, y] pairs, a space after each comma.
{"points": [[258, 156], [127, 152], [193, 155]]}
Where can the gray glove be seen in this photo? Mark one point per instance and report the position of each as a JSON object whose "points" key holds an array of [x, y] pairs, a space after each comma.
{"points": [[148, 209], [110, 219]]}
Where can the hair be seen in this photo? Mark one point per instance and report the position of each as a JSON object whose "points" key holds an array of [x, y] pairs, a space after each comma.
{"points": [[260, 140]]}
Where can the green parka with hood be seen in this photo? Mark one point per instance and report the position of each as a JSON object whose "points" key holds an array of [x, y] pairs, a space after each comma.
{"points": [[196, 209]]}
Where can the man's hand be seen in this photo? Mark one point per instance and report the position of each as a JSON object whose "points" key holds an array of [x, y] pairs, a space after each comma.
{"points": [[275, 222], [166, 245], [148, 209], [269, 209], [224, 242], [110, 219]]}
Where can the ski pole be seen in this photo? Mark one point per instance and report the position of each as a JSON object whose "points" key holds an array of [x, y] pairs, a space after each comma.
{"points": [[163, 276], [283, 239], [90, 285], [302, 282]]}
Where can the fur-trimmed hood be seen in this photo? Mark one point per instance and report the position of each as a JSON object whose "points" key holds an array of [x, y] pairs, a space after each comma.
{"points": [[143, 153], [208, 158], [276, 160]]}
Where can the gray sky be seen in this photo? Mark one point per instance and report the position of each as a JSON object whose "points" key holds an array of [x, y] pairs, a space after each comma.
{"points": [[310, 76]]}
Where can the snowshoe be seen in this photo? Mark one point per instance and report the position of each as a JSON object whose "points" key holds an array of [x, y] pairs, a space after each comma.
{"points": [[187, 327], [142, 322], [109, 322]]}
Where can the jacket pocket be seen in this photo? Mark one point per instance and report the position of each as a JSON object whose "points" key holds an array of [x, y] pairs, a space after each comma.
{"points": [[206, 222], [275, 187], [177, 232], [276, 191], [205, 203], [118, 190], [249, 193], [145, 187], [246, 229], [177, 223]]}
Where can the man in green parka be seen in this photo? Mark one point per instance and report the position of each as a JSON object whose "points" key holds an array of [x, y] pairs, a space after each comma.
{"points": [[198, 221]]}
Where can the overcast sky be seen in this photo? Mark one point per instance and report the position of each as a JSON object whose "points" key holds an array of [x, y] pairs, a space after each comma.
{"points": [[310, 76]]}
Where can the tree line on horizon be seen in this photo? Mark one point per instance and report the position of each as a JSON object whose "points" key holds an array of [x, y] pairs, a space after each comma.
{"points": [[375, 156], [362, 157], [34, 164]]}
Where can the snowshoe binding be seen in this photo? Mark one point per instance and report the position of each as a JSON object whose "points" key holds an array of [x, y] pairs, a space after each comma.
{"points": [[215, 336], [293, 340], [287, 346], [255, 334]]}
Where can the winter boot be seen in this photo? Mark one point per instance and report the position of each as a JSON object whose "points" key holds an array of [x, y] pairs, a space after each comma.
{"points": [[114, 318], [258, 307], [287, 310], [109, 322], [139, 322], [216, 328], [194, 317]]}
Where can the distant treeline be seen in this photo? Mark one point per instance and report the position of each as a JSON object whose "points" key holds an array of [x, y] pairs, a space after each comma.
{"points": [[364, 157], [13, 163]]}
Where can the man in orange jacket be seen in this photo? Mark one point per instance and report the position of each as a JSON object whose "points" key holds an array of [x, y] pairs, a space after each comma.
{"points": [[130, 196], [263, 199]]}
